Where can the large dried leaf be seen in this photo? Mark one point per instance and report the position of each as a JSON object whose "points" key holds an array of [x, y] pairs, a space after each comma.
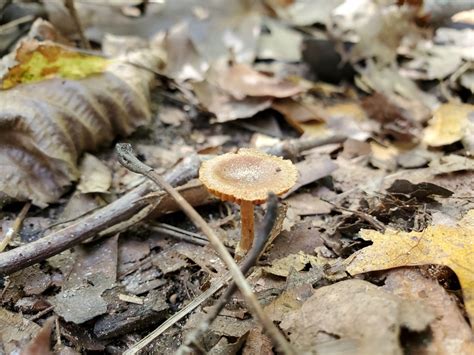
{"points": [[451, 333], [448, 245], [46, 125], [354, 311]]}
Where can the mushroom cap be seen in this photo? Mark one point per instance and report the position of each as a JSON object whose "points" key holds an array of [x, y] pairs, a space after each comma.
{"points": [[248, 175]]}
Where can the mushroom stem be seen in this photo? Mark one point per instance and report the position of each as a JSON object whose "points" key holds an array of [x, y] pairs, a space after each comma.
{"points": [[247, 225]]}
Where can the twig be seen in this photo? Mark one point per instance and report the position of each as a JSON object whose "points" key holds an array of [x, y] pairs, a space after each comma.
{"points": [[77, 22], [362, 215], [118, 211], [291, 148], [11, 232], [249, 261], [42, 313], [58, 332], [128, 159], [181, 234]]}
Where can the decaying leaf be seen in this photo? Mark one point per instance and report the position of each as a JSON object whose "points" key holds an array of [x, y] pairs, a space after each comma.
{"points": [[95, 175], [94, 271], [16, 331], [355, 311], [224, 106], [39, 61], [451, 246], [296, 262], [451, 333], [241, 80], [450, 123], [46, 125]]}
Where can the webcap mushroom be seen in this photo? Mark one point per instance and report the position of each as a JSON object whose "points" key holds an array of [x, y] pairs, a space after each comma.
{"points": [[246, 177]]}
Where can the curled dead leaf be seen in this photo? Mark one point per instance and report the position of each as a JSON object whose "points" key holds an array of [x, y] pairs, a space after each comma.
{"points": [[46, 125]]}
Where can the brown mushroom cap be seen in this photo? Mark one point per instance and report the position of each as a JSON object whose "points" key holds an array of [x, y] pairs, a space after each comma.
{"points": [[248, 175]]}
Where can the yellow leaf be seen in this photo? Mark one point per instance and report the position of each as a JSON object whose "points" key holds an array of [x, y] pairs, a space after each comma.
{"points": [[44, 61], [448, 125], [452, 246]]}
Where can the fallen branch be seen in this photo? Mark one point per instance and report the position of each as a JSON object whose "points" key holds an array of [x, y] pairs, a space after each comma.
{"points": [[129, 160]]}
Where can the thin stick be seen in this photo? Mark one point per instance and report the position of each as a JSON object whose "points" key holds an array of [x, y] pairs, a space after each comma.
{"points": [[11, 232], [77, 22], [42, 313], [128, 159], [249, 261], [58, 332]]}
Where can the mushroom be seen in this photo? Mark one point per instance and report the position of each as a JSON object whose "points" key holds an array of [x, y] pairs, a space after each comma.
{"points": [[246, 177]]}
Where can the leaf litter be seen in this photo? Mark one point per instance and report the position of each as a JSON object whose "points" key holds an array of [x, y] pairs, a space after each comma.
{"points": [[391, 202]]}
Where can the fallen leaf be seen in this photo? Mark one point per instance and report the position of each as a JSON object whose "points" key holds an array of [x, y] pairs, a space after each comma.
{"points": [[257, 343], [451, 163], [224, 106], [450, 123], [94, 271], [304, 12], [388, 81], [46, 125], [296, 262], [376, 29], [95, 175], [422, 191], [356, 311], [451, 246], [451, 333], [310, 170], [172, 115], [183, 60], [280, 43], [305, 204], [39, 61], [241, 80], [16, 331]]}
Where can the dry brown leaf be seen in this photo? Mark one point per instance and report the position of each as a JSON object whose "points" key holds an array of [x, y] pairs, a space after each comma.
{"points": [[95, 175], [354, 311], [45, 126], [224, 106], [451, 246], [311, 169], [257, 343], [241, 80], [94, 271], [451, 333], [450, 123], [16, 331]]}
